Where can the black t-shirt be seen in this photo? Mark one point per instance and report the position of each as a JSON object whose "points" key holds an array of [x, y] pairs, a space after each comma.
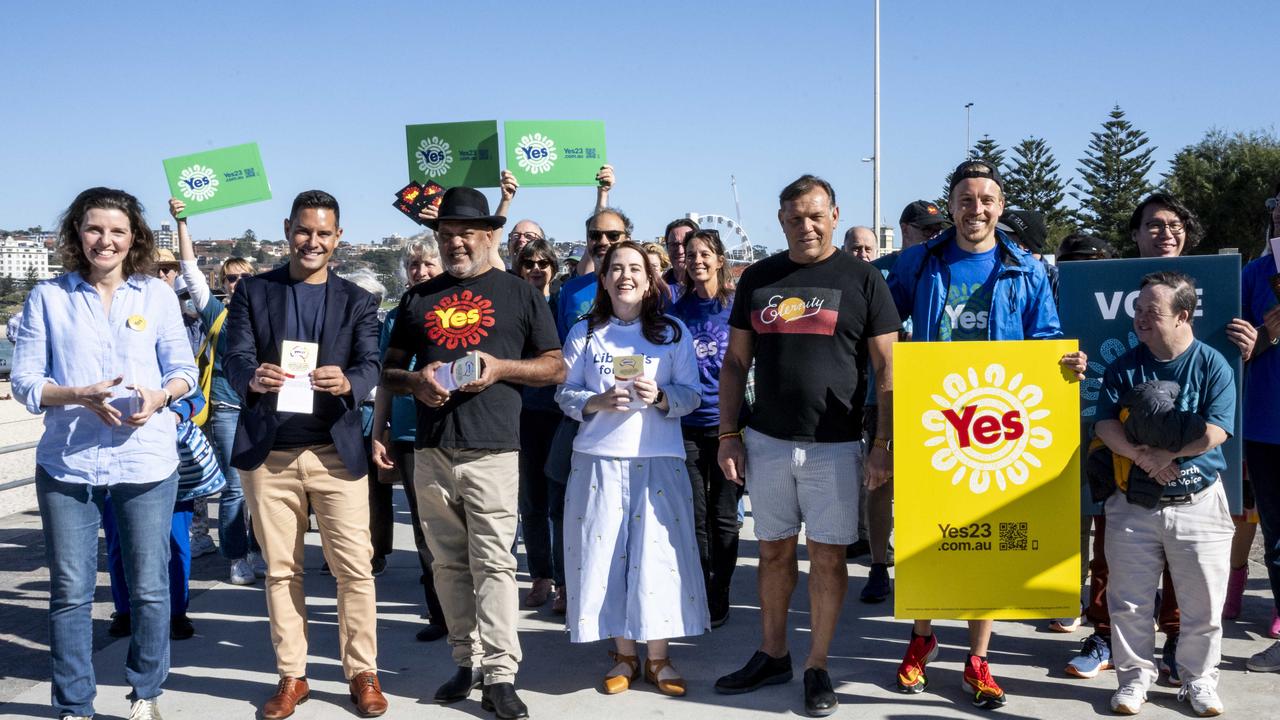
{"points": [[443, 319], [811, 324]]}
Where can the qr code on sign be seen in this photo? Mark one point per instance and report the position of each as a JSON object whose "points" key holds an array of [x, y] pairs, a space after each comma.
{"points": [[1013, 536]]}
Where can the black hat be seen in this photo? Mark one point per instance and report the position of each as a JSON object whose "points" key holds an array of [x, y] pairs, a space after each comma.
{"points": [[975, 169], [922, 214], [1084, 247], [1028, 225], [464, 203]]}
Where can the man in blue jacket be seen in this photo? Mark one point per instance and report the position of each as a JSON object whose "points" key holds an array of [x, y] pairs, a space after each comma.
{"points": [[972, 283]]}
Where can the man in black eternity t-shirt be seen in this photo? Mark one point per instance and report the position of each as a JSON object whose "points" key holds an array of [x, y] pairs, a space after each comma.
{"points": [[809, 318], [466, 469]]}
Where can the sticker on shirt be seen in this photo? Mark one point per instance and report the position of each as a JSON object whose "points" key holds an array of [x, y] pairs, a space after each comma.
{"points": [[460, 319], [137, 322], [709, 343], [802, 311], [965, 315]]}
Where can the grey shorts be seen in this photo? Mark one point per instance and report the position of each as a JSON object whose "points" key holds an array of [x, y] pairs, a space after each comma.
{"points": [[810, 483]]}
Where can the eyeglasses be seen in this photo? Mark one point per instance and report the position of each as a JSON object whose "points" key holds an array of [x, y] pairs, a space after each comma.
{"points": [[613, 235], [1156, 227], [236, 277], [530, 236], [166, 270], [531, 264]]}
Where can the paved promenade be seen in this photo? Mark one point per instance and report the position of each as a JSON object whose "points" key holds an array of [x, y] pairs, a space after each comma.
{"points": [[227, 670]]}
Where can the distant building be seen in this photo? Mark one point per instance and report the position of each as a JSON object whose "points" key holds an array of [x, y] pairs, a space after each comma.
{"points": [[19, 255], [886, 240], [166, 238]]}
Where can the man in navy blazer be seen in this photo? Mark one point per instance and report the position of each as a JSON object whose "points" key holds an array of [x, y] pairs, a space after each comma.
{"points": [[294, 460]]}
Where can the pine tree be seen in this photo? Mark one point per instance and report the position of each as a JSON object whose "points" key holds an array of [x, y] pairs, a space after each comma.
{"points": [[1225, 179], [1114, 171], [988, 150], [1032, 183]]}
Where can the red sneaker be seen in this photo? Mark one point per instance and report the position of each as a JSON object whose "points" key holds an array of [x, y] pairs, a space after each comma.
{"points": [[977, 679], [921, 651]]}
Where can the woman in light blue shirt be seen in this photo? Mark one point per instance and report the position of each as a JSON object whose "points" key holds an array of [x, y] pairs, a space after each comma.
{"points": [[102, 351]]}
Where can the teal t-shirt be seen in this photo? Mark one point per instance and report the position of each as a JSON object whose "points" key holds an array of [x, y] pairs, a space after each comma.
{"points": [[968, 306], [1208, 390]]}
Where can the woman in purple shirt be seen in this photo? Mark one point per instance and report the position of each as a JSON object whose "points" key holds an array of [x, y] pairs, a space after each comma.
{"points": [[101, 352]]}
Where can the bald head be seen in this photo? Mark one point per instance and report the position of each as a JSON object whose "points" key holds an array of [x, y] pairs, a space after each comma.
{"points": [[520, 235], [860, 241]]}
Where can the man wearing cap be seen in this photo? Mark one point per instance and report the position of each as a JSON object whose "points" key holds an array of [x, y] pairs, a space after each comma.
{"points": [[972, 283], [291, 461], [466, 470], [920, 221], [860, 242], [1027, 230]]}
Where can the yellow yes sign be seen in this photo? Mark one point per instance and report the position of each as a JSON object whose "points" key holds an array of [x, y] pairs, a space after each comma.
{"points": [[986, 480]]}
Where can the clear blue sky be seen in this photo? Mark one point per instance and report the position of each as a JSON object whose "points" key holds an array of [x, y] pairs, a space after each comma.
{"points": [[690, 93]]}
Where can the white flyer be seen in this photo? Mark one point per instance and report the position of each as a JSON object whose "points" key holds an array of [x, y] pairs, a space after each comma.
{"points": [[297, 359]]}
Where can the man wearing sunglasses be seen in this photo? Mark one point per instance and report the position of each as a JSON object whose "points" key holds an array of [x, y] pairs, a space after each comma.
{"points": [[605, 228], [525, 232]]}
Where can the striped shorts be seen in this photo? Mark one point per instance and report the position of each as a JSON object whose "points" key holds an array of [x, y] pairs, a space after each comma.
{"points": [[809, 483]]}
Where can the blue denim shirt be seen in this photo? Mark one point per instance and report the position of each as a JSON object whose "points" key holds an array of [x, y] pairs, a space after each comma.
{"points": [[65, 338]]}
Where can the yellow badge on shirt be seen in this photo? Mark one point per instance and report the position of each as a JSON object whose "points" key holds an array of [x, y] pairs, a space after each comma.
{"points": [[137, 322]]}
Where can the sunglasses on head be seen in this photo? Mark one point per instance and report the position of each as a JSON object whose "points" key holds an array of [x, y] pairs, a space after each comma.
{"points": [[236, 277], [531, 264], [613, 235]]}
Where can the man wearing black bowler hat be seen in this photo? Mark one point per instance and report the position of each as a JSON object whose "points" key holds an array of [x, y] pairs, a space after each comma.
{"points": [[466, 470]]}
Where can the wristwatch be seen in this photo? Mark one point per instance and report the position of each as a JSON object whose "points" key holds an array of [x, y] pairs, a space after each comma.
{"points": [[886, 443], [661, 396], [167, 399]]}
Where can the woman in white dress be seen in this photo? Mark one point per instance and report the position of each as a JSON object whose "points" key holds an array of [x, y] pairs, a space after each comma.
{"points": [[631, 557]]}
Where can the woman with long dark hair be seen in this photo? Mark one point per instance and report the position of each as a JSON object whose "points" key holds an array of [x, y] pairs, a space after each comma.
{"points": [[102, 351], [704, 308], [632, 558]]}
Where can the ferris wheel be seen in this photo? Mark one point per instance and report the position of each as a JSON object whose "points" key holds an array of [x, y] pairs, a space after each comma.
{"points": [[737, 249]]}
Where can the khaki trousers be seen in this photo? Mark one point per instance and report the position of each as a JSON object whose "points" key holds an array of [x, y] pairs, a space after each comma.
{"points": [[467, 501], [278, 493]]}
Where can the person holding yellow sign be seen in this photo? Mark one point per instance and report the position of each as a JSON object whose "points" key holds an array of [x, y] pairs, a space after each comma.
{"points": [[972, 283]]}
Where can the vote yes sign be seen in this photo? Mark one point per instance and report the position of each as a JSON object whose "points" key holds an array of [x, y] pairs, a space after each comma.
{"points": [[1096, 306], [986, 480], [217, 179]]}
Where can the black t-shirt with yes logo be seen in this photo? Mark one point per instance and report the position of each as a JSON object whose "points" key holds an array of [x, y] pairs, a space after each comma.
{"points": [[446, 317]]}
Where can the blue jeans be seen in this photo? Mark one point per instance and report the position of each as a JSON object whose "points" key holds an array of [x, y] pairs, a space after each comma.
{"points": [[71, 513], [179, 559], [234, 532]]}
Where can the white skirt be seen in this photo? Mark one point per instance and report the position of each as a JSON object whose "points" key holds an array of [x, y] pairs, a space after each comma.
{"points": [[631, 558]]}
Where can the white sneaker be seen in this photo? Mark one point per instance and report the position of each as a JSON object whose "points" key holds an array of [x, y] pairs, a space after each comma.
{"points": [[1266, 661], [258, 563], [76, 717], [1204, 698], [202, 545], [144, 710], [242, 572], [1128, 700]]}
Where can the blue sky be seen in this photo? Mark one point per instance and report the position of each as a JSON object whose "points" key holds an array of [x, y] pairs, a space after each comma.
{"points": [[690, 93]]}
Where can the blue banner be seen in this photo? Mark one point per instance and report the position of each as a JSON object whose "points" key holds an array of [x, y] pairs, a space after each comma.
{"points": [[1095, 303]]}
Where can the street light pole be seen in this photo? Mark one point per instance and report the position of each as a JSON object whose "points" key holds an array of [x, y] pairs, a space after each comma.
{"points": [[967, 145], [875, 157]]}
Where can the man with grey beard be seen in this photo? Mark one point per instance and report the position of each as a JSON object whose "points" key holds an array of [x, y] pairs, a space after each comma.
{"points": [[466, 471]]}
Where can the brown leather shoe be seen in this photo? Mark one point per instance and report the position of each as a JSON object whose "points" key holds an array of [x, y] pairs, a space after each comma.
{"points": [[539, 593], [289, 693], [366, 693]]}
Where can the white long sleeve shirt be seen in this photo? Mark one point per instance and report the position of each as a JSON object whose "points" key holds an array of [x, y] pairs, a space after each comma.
{"points": [[647, 432]]}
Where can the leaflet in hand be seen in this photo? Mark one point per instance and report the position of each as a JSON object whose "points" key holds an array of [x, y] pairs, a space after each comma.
{"points": [[626, 368], [297, 359], [465, 369]]}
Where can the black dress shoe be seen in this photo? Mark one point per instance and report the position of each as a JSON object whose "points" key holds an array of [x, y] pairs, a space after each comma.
{"points": [[460, 685], [121, 625], [760, 670], [501, 700], [431, 632], [180, 627], [819, 697]]}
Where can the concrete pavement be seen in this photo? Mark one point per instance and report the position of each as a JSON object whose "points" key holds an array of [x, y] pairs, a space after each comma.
{"points": [[227, 670]]}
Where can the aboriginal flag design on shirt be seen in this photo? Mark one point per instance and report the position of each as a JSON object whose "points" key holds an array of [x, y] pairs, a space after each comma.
{"points": [[460, 319], [798, 311]]}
